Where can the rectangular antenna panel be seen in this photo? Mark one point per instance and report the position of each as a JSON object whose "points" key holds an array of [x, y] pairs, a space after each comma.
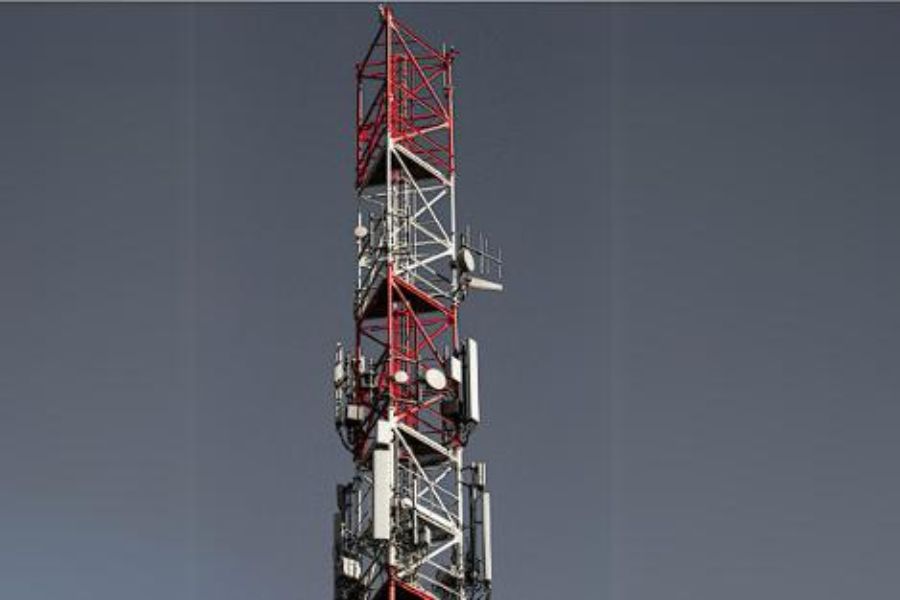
{"points": [[382, 474], [486, 535], [473, 410], [456, 370]]}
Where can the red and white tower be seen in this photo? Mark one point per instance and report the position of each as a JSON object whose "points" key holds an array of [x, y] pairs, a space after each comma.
{"points": [[414, 522]]}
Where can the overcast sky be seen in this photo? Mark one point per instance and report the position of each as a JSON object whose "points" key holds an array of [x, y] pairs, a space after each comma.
{"points": [[689, 384]]}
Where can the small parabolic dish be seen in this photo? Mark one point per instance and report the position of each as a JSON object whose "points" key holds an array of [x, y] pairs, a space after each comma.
{"points": [[466, 260], [435, 379]]}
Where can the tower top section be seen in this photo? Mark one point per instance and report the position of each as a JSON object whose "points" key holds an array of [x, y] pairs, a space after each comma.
{"points": [[404, 98]]}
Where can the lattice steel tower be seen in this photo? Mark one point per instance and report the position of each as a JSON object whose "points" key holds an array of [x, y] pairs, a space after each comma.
{"points": [[414, 522]]}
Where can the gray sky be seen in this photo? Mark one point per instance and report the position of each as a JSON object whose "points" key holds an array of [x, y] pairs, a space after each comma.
{"points": [[690, 384]]}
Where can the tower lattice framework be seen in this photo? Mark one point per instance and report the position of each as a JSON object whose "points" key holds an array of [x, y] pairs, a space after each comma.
{"points": [[414, 522]]}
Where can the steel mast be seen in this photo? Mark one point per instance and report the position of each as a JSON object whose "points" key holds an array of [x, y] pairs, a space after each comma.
{"points": [[414, 522]]}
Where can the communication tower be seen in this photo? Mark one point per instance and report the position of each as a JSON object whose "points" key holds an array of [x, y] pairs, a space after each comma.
{"points": [[415, 520]]}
